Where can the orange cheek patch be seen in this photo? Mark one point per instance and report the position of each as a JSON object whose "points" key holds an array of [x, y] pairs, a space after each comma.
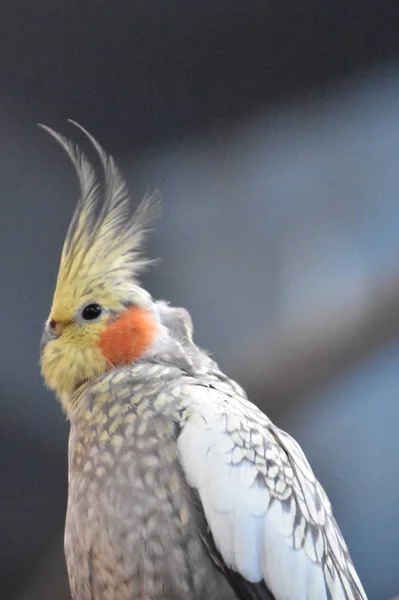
{"points": [[123, 341]]}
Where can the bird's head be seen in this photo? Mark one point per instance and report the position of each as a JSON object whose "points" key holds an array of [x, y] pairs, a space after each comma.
{"points": [[100, 317]]}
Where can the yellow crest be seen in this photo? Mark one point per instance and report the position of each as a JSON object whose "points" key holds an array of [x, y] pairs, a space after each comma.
{"points": [[101, 255]]}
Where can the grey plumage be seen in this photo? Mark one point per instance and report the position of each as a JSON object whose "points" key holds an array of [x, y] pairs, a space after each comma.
{"points": [[132, 530], [135, 529]]}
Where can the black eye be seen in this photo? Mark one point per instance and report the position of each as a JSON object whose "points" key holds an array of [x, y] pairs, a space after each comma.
{"points": [[91, 312]]}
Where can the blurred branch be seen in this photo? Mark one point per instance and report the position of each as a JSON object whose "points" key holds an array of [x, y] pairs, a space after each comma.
{"points": [[280, 369]]}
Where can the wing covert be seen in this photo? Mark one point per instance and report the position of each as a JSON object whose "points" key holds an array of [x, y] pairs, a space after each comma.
{"points": [[269, 517]]}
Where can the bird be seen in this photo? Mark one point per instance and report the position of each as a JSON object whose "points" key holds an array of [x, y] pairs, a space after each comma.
{"points": [[178, 485]]}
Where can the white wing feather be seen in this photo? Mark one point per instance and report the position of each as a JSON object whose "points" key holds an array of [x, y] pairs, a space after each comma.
{"points": [[269, 517]]}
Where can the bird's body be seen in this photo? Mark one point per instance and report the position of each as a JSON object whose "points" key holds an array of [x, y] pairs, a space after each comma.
{"points": [[122, 448], [179, 487]]}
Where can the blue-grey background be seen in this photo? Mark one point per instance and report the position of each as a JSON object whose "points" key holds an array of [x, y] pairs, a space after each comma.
{"points": [[271, 130]]}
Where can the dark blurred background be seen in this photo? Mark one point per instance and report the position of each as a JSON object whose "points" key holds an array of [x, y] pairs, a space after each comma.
{"points": [[271, 130]]}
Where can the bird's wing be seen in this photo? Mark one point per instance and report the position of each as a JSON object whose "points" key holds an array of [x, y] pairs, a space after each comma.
{"points": [[268, 517]]}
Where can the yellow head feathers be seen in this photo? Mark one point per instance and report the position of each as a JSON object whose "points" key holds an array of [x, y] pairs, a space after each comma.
{"points": [[97, 281], [102, 249]]}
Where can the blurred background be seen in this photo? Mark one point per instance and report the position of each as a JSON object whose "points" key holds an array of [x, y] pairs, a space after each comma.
{"points": [[271, 130]]}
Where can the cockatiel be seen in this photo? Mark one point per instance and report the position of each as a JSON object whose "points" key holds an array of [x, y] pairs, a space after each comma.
{"points": [[179, 487]]}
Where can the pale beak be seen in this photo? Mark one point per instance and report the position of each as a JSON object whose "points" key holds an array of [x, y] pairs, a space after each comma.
{"points": [[46, 338]]}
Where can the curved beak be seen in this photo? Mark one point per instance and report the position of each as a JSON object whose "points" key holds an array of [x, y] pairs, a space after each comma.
{"points": [[48, 336]]}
